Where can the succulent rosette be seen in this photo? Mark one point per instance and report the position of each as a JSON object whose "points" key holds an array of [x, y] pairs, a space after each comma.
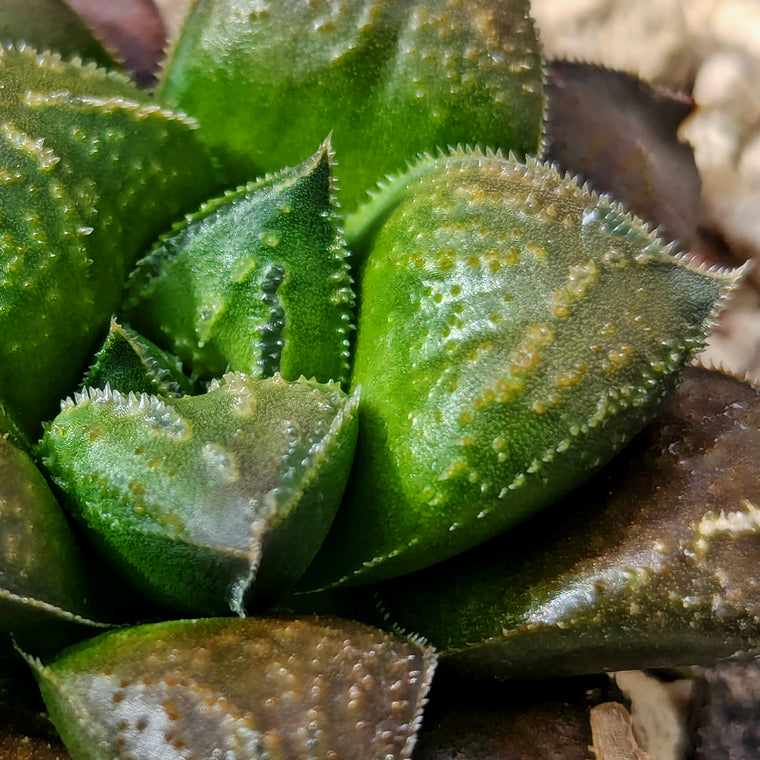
{"points": [[319, 320]]}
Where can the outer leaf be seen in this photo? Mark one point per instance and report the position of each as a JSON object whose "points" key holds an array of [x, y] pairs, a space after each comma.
{"points": [[239, 690], [268, 80], [43, 578], [129, 363], [205, 501], [648, 565], [81, 154], [132, 29], [257, 281], [622, 135], [515, 330], [50, 25]]}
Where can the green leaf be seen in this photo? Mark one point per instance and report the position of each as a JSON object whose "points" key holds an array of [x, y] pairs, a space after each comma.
{"points": [[649, 564], [268, 81], [230, 688], [256, 281], [83, 155], [206, 502], [515, 330], [50, 25], [45, 593], [129, 363]]}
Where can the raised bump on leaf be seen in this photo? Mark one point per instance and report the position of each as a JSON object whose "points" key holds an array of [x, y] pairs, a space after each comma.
{"points": [[646, 565], [44, 586], [51, 25], [515, 330]]}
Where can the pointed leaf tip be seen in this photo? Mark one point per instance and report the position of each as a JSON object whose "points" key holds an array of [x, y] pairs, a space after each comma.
{"points": [[515, 331]]}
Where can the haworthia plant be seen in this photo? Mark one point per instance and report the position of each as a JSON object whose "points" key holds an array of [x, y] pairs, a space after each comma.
{"points": [[240, 689], [388, 79], [129, 363], [257, 281], [647, 565], [82, 152], [515, 330], [44, 583], [204, 502]]}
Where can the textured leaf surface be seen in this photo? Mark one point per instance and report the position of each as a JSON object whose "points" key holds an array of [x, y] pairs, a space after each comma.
{"points": [[514, 331], [268, 80], [43, 577], [257, 281], [50, 25], [201, 500], [82, 153], [129, 363], [238, 690], [648, 565]]}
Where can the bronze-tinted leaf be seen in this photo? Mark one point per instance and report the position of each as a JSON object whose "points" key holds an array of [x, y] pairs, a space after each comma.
{"points": [[621, 134], [132, 29], [650, 564], [515, 330], [45, 591], [240, 689]]}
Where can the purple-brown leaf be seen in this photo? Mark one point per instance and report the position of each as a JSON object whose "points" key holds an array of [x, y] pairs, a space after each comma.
{"points": [[620, 133], [132, 29]]}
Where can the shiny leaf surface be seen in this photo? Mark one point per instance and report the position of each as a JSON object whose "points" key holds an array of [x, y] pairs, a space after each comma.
{"points": [[44, 586], [82, 152], [129, 363], [647, 565], [50, 25], [240, 689], [515, 330], [621, 134]]}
